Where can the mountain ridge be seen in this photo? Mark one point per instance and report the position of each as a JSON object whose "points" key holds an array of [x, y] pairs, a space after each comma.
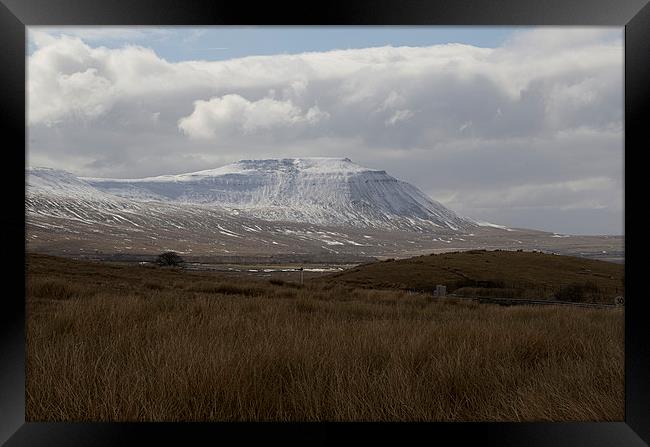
{"points": [[67, 215], [317, 190]]}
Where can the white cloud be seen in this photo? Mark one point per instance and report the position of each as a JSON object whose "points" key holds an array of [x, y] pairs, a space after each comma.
{"points": [[567, 194], [233, 114], [399, 115], [454, 84]]}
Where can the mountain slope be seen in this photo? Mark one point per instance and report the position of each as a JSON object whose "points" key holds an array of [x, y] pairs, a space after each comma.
{"points": [[66, 214], [326, 191]]}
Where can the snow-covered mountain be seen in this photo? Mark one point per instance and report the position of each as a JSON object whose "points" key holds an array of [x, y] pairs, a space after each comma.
{"points": [[57, 183], [233, 211], [69, 215], [326, 191]]}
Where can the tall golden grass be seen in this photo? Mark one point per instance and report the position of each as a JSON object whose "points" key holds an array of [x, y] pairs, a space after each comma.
{"points": [[107, 343]]}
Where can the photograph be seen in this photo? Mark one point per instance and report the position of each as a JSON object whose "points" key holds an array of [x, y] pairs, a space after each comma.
{"points": [[325, 223]]}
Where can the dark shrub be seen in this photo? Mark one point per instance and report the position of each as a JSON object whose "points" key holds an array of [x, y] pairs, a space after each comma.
{"points": [[169, 258]]}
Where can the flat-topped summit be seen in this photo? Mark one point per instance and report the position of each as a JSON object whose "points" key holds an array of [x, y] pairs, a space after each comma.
{"points": [[314, 165]]}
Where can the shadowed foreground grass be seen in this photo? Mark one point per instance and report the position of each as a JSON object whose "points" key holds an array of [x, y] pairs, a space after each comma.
{"points": [[129, 343]]}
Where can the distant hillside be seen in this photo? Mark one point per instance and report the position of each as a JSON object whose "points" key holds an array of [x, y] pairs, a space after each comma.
{"points": [[510, 274], [264, 208], [321, 190]]}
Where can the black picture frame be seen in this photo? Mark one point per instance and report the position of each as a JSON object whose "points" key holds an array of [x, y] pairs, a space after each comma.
{"points": [[15, 15]]}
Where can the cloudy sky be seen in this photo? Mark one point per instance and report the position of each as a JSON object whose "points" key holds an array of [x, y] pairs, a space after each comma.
{"points": [[517, 126]]}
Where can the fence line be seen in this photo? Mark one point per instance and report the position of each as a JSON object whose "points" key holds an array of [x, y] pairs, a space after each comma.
{"points": [[518, 301]]}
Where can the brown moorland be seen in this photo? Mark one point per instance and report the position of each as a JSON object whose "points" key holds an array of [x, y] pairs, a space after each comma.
{"points": [[134, 343], [509, 274]]}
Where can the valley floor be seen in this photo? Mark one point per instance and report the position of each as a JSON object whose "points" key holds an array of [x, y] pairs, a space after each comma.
{"points": [[110, 342]]}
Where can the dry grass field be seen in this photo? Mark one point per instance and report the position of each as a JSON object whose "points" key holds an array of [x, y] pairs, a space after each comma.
{"points": [[134, 343]]}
